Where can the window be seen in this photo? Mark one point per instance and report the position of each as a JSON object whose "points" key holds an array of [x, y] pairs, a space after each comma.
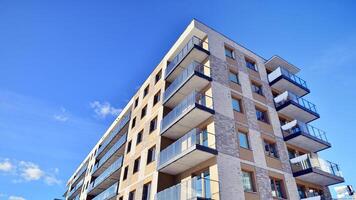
{"points": [[301, 191], [146, 90], [261, 115], [139, 137], [271, 149], [243, 140], [251, 64], [126, 171], [128, 147], [136, 165], [132, 195], [247, 181], [133, 124], [153, 124], [157, 97], [151, 155], [229, 53], [144, 111], [121, 198], [276, 186], [236, 105], [256, 88], [158, 76], [146, 192], [292, 153], [136, 102], [233, 77]]}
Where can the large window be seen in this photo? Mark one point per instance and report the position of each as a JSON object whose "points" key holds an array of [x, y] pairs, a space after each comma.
{"points": [[243, 140], [229, 53], [236, 105], [233, 77], [277, 188], [247, 181], [251, 64], [261, 115], [271, 149], [256, 88], [151, 155], [146, 191]]}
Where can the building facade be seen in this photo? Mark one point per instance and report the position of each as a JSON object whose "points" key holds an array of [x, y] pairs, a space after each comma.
{"points": [[213, 121]]}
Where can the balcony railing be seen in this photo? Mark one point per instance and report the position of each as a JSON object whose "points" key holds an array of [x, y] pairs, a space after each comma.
{"points": [[195, 188], [76, 188], [308, 161], [108, 154], [184, 76], [292, 77], [305, 128], [80, 172], [125, 119], [188, 103], [194, 137], [288, 96], [108, 193], [110, 170], [194, 41]]}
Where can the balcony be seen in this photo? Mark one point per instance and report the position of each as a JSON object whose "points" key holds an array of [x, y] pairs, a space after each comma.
{"points": [[283, 80], [114, 134], [305, 136], [188, 151], [75, 190], [110, 156], [296, 107], [108, 194], [188, 114], [194, 77], [106, 179], [80, 174], [195, 49], [195, 188], [312, 169]]}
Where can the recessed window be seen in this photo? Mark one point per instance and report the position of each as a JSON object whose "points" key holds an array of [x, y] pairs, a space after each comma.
{"points": [[136, 165], [157, 97], [126, 171], [151, 155], [128, 147], [153, 124], [146, 191], [236, 105], [133, 124], [144, 111], [247, 181], [271, 149], [158, 76], [261, 115], [146, 90], [139, 137], [229, 53], [277, 188], [132, 195], [233, 77], [256, 88], [251, 64], [243, 140], [136, 102]]}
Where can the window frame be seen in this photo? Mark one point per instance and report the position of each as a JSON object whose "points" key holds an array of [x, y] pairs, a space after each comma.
{"points": [[136, 166], [264, 114], [139, 137], [155, 124], [274, 187], [146, 191], [157, 97], [129, 145], [271, 149], [126, 172], [158, 76], [144, 111], [235, 75], [257, 88], [146, 91], [247, 140], [251, 64], [251, 181], [231, 51], [233, 99], [151, 155]]}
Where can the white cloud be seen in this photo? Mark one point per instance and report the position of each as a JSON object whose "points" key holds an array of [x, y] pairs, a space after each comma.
{"points": [[30, 171], [104, 109], [16, 198], [62, 116], [6, 166]]}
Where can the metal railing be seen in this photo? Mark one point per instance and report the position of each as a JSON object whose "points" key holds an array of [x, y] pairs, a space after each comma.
{"points": [[309, 129], [281, 71], [108, 193], [110, 170], [288, 96], [184, 76], [75, 188], [190, 139], [112, 150], [80, 172], [125, 119], [184, 106], [193, 188], [308, 161], [194, 41]]}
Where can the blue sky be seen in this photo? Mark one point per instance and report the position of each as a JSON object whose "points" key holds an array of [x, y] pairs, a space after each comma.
{"points": [[67, 67]]}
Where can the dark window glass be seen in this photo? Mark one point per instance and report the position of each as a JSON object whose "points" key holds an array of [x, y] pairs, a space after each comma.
{"points": [[129, 146], [157, 97], [271, 149], [143, 112], [229, 53], [261, 115], [158, 76], [139, 137], [133, 124], [276, 186], [136, 165], [153, 124], [233, 77], [126, 170], [136, 102], [146, 191], [257, 89], [146, 90], [251, 64], [132, 195], [151, 155]]}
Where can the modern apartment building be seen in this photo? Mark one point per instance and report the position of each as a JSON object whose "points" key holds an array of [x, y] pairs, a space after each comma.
{"points": [[216, 121]]}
